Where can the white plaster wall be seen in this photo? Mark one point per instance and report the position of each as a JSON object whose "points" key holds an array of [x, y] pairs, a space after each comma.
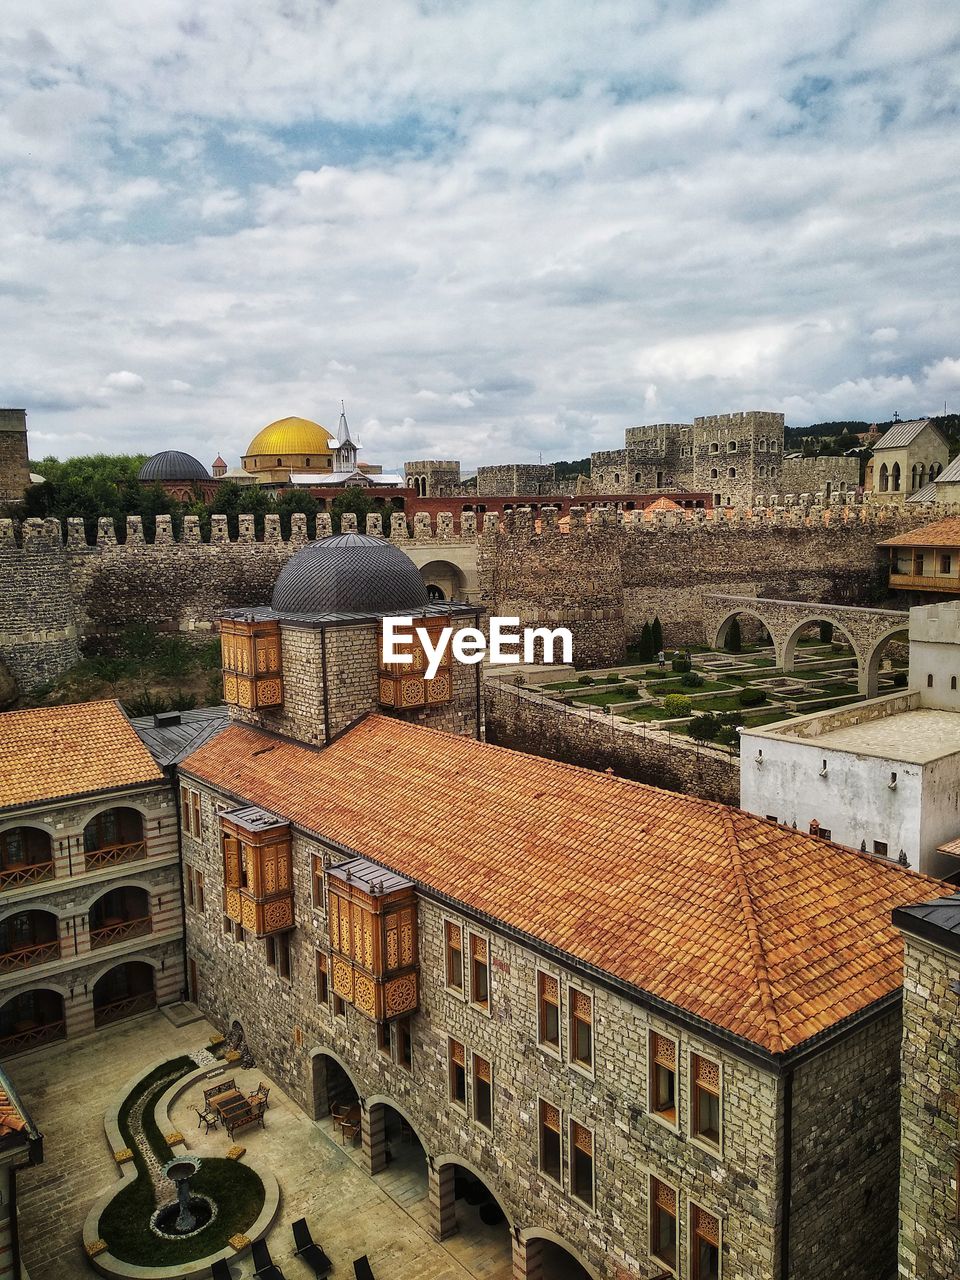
{"points": [[854, 800], [942, 661], [940, 815]]}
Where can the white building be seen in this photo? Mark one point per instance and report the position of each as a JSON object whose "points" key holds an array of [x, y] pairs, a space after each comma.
{"points": [[882, 775]]}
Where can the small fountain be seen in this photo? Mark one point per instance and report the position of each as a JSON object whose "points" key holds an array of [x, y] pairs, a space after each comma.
{"points": [[189, 1213]]}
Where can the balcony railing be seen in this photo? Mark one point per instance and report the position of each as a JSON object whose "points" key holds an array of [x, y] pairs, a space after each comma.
{"points": [[925, 582], [111, 854], [126, 1008], [24, 957], [25, 873], [31, 1037], [119, 931]]}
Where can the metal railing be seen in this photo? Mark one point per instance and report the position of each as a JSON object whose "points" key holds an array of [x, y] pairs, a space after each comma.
{"points": [[26, 873], [32, 1037], [111, 854], [24, 957], [123, 929], [126, 1008]]}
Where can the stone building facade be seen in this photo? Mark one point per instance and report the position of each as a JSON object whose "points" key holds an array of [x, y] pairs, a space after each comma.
{"points": [[738, 455], [828, 475], [658, 456], [432, 478], [90, 892], [14, 462], [516, 478], [930, 1092]]}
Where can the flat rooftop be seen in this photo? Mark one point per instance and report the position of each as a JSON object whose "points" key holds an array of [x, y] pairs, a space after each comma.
{"points": [[916, 736]]}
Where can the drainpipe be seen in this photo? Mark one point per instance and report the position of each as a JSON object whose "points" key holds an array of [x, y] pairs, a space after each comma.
{"points": [[787, 1163]]}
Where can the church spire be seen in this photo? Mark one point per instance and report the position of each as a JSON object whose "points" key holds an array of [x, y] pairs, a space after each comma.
{"points": [[343, 431]]}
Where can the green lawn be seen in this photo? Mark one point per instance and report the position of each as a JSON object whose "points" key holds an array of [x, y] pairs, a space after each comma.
{"points": [[607, 699], [645, 713], [675, 686]]}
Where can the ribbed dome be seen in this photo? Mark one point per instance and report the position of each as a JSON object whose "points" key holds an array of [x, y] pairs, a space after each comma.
{"points": [[171, 465], [349, 573], [290, 436]]}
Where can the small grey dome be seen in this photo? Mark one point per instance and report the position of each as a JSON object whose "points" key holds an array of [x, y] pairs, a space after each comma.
{"points": [[349, 573], [171, 465]]}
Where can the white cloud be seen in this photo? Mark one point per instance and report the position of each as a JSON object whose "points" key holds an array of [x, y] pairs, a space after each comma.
{"points": [[125, 382]]}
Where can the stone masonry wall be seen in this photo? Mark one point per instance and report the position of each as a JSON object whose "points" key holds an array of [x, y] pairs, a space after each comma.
{"points": [[930, 1115], [843, 1219], [514, 478], [813, 475], [529, 722], [14, 464], [288, 1031]]}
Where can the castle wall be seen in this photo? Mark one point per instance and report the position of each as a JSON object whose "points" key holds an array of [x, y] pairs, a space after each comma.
{"points": [[815, 475], [514, 478], [14, 464]]}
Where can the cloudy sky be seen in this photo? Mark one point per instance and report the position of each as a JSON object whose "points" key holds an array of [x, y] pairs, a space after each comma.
{"points": [[495, 229]]}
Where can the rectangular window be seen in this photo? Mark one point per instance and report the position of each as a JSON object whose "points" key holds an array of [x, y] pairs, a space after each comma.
{"points": [[322, 987], [581, 1029], [704, 1244], [457, 1065], [383, 1039], [339, 1006], [227, 925], [581, 1163], [404, 1044], [880, 846], [453, 938], [270, 947], [548, 1011], [238, 932], [479, 972], [283, 956], [944, 564], [185, 809], [550, 1140], [195, 802], [317, 879], [663, 1223], [198, 881], [706, 1085], [482, 1092], [189, 885], [825, 833], [663, 1077]]}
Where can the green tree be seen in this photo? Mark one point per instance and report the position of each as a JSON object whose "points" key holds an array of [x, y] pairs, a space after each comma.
{"points": [[734, 638], [826, 632], [645, 649], [656, 632]]}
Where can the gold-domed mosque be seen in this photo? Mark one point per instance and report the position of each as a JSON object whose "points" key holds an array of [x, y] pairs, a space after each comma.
{"points": [[287, 446]]}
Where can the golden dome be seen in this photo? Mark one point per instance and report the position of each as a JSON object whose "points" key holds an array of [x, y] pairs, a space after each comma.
{"points": [[290, 436]]}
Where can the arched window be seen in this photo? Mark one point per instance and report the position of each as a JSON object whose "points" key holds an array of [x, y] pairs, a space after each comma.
{"points": [[306, 462], [884, 478], [279, 462], [895, 478], [761, 470], [616, 477], [636, 477], [732, 472], [731, 446], [659, 479], [714, 448], [714, 473], [762, 445]]}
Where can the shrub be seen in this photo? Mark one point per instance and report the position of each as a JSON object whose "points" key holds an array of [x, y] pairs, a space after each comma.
{"points": [[704, 728], [751, 697], [629, 691], [826, 632], [728, 736], [584, 679], [613, 677], [692, 679], [734, 638], [680, 664], [675, 704]]}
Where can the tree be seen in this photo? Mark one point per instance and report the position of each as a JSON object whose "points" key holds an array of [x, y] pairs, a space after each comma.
{"points": [[657, 635], [734, 639], [645, 649], [826, 632]]}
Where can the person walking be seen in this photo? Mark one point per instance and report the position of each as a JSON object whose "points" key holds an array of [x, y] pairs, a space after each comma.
{"points": [[661, 660]]}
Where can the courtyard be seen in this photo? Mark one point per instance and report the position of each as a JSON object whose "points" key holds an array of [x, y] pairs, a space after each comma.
{"points": [[69, 1087]]}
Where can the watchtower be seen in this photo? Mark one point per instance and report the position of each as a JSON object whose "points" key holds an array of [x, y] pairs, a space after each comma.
{"points": [[14, 463]]}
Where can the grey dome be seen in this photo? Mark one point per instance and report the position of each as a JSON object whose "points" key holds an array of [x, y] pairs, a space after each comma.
{"points": [[171, 465], [349, 573]]}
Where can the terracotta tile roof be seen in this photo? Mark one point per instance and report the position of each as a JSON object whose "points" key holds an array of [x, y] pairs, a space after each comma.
{"points": [[11, 1121], [951, 847], [769, 933], [71, 750], [943, 533]]}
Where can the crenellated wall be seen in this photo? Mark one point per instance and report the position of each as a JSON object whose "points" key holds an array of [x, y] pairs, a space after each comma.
{"points": [[604, 572]]}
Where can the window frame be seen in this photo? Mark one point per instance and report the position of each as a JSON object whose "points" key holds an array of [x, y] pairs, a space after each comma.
{"points": [[662, 1117], [322, 973], [451, 1064], [556, 1181], [555, 1051], [403, 1023], [590, 1204], [318, 883], [474, 1077], [460, 993], [714, 1148], [587, 1069], [674, 1267], [481, 1007], [693, 1236], [201, 905]]}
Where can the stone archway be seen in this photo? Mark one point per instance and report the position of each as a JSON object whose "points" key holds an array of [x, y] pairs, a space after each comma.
{"points": [[331, 1083], [540, 1254], [463, 1201], [875, 656], [444, 579]]}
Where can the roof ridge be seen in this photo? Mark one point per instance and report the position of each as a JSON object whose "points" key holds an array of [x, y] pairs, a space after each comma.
{"points": [[761, 973]]}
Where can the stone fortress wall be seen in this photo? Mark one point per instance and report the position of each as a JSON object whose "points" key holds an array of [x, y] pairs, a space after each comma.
{"points": [[603, 578]]}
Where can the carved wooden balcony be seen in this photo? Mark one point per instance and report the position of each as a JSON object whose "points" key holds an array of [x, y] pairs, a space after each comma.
{"points": [[125, 1008], [112, 854], [32, 1037]]}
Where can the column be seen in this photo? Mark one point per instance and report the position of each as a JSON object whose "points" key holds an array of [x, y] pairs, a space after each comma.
{"points": [[527, 1259], [373, 1134], [443, 1205]]}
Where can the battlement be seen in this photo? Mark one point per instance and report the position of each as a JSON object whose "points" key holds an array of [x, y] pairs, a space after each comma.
{"points": [[788, 511]]}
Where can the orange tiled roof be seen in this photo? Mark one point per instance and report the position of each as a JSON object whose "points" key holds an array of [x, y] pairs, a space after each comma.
{"points": [[942, 533], [664, 504], [72, 750], [769, 933], [11, 1121]]}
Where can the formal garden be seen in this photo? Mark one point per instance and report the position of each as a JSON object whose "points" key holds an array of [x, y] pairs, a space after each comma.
{"points": [[706, 694]]}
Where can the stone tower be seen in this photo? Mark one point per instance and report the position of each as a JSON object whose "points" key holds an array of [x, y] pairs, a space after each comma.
{"points": [[432, 479], [14, 464], [736, 455]]}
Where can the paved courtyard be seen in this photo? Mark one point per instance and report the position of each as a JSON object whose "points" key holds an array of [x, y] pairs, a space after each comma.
{"points": [[68, 1087]]}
